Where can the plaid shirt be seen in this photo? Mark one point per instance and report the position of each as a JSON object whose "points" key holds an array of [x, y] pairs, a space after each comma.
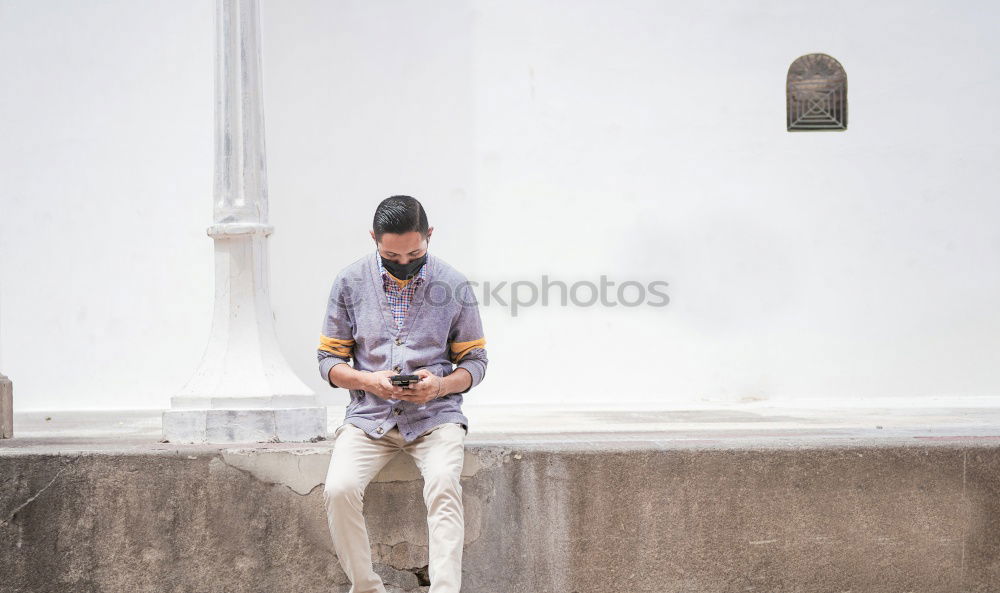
{"points": [[399, 298]]}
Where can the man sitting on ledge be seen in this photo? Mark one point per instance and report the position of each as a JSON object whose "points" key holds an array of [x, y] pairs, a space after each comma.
{"points": [[400, 311]]}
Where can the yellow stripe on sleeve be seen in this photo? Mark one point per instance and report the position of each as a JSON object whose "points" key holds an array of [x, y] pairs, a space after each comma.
{"points": [[336, 346], [460, 349]]}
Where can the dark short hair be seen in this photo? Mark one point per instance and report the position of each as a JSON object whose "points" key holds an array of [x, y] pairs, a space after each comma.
{"points": [[399, 215]]}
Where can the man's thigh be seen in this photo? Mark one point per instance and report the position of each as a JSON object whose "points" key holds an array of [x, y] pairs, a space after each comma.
{"points": [[440, 450], [357, 458]]}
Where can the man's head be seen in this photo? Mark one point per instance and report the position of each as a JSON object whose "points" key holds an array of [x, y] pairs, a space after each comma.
{"points": [[400, 230]]}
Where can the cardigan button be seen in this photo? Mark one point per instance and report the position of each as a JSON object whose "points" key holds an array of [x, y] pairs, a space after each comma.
{"points": [[379, 430], [397, 368], [399, 342]]}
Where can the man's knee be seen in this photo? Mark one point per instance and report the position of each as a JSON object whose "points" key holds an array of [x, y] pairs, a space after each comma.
{"points": [[343, 491], [442, 483]]}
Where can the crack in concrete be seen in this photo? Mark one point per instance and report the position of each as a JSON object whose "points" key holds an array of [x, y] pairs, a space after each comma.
{"points": [[312, 464], [404, 555], [423, 575], [21, 506], [259, 476]]}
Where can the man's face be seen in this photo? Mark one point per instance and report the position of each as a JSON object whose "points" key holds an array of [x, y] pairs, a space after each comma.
{"points": [[402, 248]]}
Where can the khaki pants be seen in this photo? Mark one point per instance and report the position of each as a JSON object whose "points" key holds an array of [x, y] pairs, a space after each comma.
{"points": [[356, 459]]}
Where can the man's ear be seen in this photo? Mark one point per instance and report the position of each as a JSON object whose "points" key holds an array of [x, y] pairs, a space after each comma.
{"points": [[372, 233], [430, 230]]}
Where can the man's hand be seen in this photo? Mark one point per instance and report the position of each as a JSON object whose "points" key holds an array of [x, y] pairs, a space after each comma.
{"points": [[378, 383], [429, 387]]}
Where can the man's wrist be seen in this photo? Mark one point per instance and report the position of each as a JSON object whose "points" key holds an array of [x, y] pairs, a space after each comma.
{"points": [[451, 383]]}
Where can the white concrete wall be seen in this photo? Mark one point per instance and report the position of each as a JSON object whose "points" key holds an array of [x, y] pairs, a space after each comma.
{"points": [[641, 140]]}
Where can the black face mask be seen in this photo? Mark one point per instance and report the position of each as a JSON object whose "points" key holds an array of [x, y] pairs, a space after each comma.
{"points": [[404, 272]]}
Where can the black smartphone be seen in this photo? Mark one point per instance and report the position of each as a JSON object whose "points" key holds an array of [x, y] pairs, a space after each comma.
{"points": [[404, 380]]}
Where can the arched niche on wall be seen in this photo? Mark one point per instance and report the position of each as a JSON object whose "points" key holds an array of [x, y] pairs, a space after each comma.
{"points": [[816, 94]]}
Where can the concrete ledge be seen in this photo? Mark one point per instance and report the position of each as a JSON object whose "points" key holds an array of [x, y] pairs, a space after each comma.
{"points": [[542, 516]]}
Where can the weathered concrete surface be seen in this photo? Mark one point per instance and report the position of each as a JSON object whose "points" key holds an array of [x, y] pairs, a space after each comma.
{"points": [[652, 515]]}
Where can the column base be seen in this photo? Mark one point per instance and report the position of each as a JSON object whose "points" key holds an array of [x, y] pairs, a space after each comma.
{"points": [[6, 408], [245, 425]]}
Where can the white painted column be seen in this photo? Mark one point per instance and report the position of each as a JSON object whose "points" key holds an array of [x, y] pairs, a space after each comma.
{"points": [[243, 390]]}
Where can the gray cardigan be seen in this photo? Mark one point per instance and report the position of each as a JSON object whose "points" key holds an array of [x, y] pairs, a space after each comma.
{"points": [[442, 328]]}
